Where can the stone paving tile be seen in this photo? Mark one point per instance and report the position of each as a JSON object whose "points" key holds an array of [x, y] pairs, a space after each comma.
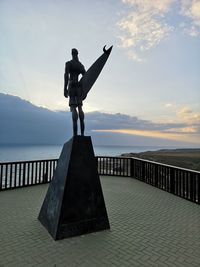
{"points": [[149, 227]]}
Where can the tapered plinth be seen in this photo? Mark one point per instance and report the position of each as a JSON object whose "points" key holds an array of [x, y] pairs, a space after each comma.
{"points": [[74, 203]]}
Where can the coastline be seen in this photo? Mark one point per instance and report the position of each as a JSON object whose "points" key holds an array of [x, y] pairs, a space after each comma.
{"points": [[188, 158]]}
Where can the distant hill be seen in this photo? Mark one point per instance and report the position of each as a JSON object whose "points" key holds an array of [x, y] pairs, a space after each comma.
{"points": [[185, 158]]}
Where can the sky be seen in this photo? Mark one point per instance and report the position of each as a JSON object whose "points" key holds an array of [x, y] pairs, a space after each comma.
{"points": [[151, 76]]}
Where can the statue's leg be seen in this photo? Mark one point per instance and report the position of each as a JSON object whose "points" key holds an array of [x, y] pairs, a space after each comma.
{"points": [[81, 117], [74, 119]]}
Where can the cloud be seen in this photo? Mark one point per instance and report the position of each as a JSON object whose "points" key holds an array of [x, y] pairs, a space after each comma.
{"points": [[103, 121], [184, 135], [147, 23], [191, 10], [189, 116], [144, 27], [185, 127], [169, 105], [23, 122], [158, 5], [146, 133]]}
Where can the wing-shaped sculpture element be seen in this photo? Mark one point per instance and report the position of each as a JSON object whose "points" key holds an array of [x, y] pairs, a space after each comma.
{"points": [[93, 72]]}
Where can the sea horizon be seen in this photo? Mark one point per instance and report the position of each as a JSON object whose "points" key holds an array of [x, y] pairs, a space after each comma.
{"points": [[25, 152]]}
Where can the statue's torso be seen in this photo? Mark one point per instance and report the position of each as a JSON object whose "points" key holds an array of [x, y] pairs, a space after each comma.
{"points": [[75, 68]]}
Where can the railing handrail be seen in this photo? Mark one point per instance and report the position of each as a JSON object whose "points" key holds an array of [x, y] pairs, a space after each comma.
{"points": [[109, 157], [26, 161], [166, 165]]}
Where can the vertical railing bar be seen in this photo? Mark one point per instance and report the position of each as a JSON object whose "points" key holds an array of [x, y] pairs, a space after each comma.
{"points": [[192, 187], [179, 183], [155, 175], [54, 166], [124, 172], [1, 176], [46, 171], [40, 172], [6, 174], [28, 174], [24, 174], [31, 167], [186, 185], [118, 167], [111, 166], [43, 172], [195, 188], [101, 166], [198, 187], [11, 169], [19, 174], [168, 179], [107, 166], [36, 172], [175, 182], [182, 182], [50, 173], [104, 165], [15, 176], [150, 174], [164, 178], [114, 170]]}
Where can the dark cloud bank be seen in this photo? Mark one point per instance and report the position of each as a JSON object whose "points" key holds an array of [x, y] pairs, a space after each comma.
{"points": [[24, 123]]}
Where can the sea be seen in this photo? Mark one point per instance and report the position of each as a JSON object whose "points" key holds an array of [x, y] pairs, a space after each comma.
{"points": [[39, 152]]}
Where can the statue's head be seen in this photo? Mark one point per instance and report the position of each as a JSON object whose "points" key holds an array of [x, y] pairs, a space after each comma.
{"points": [[74, 52]]}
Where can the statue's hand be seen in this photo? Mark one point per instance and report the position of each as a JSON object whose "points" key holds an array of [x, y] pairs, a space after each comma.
{"points": [[66, 94]]}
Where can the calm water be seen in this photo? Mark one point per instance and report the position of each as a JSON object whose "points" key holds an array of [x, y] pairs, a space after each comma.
{"points": [[22, 153]]}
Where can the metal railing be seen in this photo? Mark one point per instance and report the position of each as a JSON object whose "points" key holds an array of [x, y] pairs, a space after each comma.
{"points": [[114, 166], [178, 181], [25, 173]]}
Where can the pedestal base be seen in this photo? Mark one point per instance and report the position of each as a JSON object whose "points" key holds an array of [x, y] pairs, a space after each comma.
{"points": [[74, 203]]}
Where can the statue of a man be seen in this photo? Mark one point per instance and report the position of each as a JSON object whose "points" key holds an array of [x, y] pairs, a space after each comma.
{"points": [[73, 89]]}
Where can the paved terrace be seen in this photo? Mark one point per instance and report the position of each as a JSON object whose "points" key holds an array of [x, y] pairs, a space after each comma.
{"points": [[149, 227]]}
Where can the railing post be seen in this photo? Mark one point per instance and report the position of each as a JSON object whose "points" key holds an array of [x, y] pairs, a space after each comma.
{"points": [[6, 177], [192, 187], [198, 186], [156, 175], [172, 181], [24, 174], [143, 172], [1, 176], [132, 167], [45, 172]]}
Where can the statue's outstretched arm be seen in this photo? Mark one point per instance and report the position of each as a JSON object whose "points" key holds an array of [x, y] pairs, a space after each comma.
{"points": [[83, 71], [66, 79]]}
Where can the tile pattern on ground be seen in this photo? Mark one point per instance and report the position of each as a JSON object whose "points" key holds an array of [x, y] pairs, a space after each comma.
{"points": [[149, 227]]}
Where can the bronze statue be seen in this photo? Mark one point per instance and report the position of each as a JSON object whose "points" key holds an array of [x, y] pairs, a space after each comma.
{"points": [[76, 89]]}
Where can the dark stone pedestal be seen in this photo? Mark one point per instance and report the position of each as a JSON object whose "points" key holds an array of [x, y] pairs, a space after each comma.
{"points": [[74, 203]]}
